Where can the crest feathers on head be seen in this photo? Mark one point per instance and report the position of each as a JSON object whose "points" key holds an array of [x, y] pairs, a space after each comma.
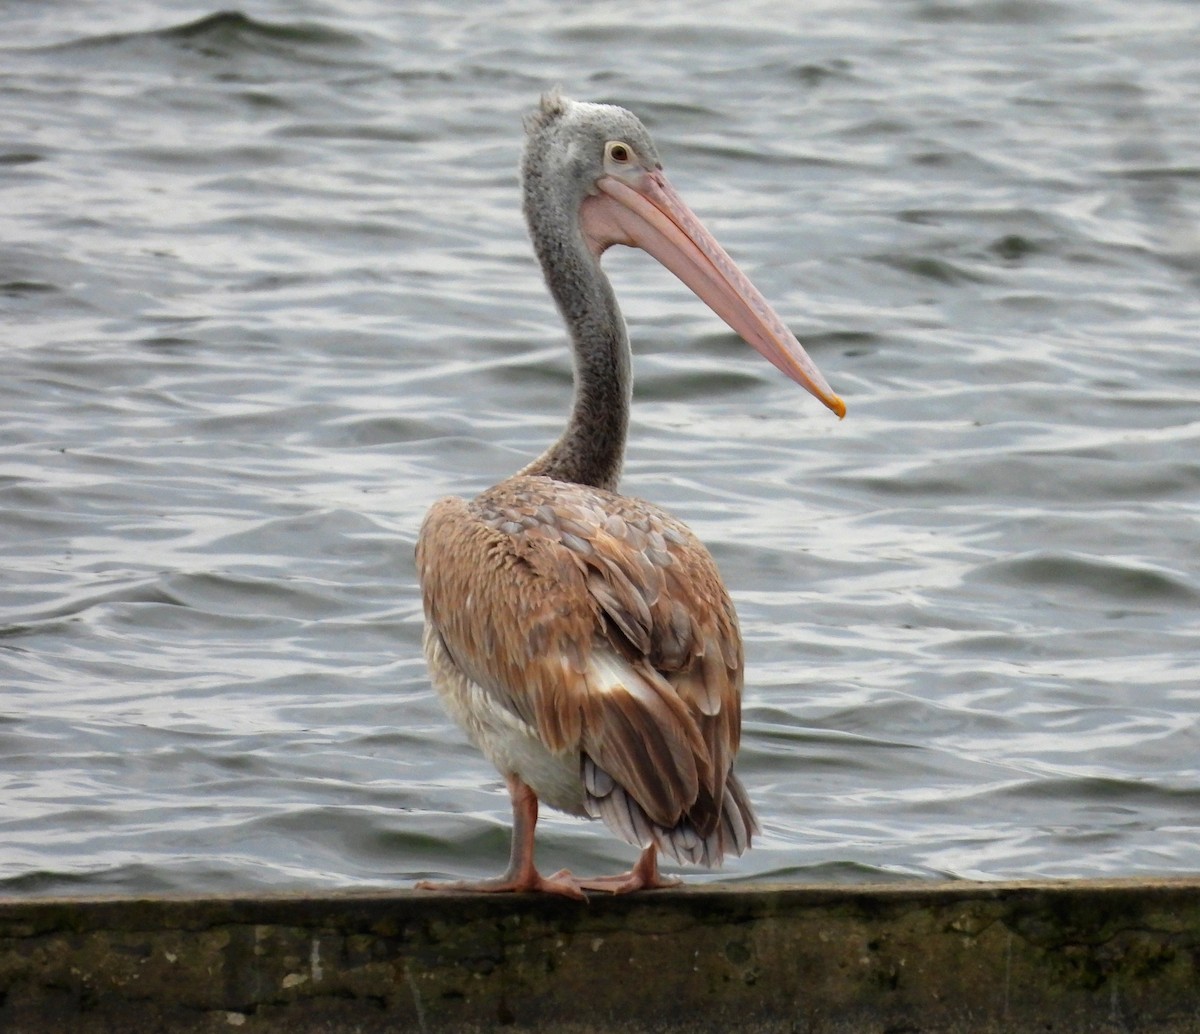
{"points": [[552, 105]]}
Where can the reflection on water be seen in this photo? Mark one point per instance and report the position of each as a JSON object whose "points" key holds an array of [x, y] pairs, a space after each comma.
{"points": [[267, 295]]}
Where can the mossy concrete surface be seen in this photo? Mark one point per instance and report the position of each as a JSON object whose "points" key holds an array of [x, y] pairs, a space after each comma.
{"points": [[958, 958]]}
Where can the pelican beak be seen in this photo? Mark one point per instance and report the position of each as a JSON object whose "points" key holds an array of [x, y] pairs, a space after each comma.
{"points": [[648, 214]]}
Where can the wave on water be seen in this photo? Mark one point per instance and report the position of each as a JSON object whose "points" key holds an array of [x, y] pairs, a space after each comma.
{"points": [[1080, 578], [233, 29], [223, 35]]}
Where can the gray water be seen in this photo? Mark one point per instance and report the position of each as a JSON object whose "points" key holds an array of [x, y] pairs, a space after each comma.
{"points": [[266, 294]]}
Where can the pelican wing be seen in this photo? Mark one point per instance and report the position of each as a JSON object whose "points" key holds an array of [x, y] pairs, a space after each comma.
{"points": [[603, 624]]}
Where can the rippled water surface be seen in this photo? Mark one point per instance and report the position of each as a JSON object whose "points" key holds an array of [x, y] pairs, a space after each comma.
{"points": [[266, 294]]}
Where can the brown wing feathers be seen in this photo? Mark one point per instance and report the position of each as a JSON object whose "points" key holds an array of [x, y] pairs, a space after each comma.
{"points": [[604, 625]]}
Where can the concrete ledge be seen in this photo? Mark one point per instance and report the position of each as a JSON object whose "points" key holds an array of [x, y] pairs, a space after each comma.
{"points": [[986, 958]]}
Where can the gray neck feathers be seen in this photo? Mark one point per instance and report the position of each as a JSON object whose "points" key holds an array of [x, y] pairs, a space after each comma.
{"points": [[592, 448]]}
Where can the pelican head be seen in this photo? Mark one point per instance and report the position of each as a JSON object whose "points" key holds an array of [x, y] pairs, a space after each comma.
{"points": [[592, 177]]}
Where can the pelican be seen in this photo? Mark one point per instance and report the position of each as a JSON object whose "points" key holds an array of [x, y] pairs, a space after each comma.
{"points": [[583, 639]]}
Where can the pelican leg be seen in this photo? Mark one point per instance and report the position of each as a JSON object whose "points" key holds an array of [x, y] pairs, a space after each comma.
{"points": [[643, 876], [521, 874]]}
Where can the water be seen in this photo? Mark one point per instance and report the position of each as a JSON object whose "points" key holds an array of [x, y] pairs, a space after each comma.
{"points": [[266, 294]]}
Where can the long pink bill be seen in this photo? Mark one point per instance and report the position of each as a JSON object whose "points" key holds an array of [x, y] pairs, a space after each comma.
{"points": [[651, 216]]}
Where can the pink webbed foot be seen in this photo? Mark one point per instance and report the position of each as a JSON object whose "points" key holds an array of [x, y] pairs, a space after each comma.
{"points": [[643, 876], [528, 882]]}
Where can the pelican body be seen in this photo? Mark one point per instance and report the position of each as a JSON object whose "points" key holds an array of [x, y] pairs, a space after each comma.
{"points": [[584, 640]]}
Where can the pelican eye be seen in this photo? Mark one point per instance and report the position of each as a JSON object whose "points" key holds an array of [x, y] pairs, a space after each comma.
{"points": [[618, 152]]}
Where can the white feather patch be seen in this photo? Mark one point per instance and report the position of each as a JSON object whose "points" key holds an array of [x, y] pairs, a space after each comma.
{"points": [[608, 673]]}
